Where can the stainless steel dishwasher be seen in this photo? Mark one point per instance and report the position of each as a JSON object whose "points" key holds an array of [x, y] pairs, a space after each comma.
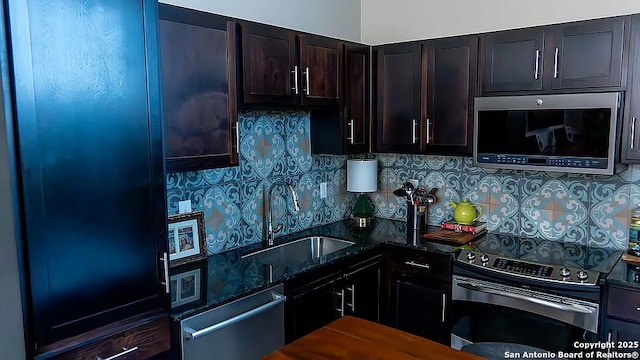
{"points": [[245, 329]]}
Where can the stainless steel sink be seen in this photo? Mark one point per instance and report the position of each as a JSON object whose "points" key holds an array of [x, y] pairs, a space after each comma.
{"points": [[297, 251]]}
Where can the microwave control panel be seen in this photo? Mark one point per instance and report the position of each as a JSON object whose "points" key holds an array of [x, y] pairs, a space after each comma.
{"points": [[587, 163]]}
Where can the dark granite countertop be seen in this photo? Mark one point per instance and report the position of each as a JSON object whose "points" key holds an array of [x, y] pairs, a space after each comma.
{"points": [[227, 276], [625, 275]]}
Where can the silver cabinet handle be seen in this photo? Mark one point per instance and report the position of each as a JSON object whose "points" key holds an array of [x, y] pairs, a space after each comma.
{"points": [[191, 334], [414, 139], [351, 131], [423, 266], [237, 138], [341, 308], [165, 265], [555, 64], [306, 75], [123, 353], [428, 130], [352, 289], [444, 305], [638, 308], [633, 132], [537, 70], [295, 79]]}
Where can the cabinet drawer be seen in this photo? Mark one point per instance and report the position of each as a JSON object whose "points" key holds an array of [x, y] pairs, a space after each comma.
{"points": [[624, 304], [425, 264], [140, 342]]}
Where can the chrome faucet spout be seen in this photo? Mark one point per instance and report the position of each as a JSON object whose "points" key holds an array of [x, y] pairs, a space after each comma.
{"points": [[268, 233]]}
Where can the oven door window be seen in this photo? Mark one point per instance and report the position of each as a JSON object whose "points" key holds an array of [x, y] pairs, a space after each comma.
{"points": [[478, 322]]}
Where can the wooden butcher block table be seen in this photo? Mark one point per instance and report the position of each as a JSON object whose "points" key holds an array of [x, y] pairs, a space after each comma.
{"points": [[354, 338]]}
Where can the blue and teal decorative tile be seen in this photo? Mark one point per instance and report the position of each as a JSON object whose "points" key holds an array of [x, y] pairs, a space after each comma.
{"points": [[498, 196], [337, 182], [386, 160], [447, 192], [454, 163], [298, 143], [262, 149], [222, 216], [436, 162], [610, 214]]}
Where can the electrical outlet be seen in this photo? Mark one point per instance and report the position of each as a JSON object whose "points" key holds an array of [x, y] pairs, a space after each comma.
{"points": [[184, 206], [323, 190]]}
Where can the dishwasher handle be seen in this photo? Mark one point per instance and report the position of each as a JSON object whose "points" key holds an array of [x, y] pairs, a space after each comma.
{"points": [[191, 334]]}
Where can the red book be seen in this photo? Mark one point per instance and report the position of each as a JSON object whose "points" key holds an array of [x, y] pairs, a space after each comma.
{"points": [[474, 228]]}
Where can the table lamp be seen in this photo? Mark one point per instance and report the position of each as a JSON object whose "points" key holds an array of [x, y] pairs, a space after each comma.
{"points": [[362, 177]]}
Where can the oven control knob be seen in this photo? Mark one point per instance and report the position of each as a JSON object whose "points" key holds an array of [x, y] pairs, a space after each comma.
{"points": [[564, 272], [471, 256], [582, 275], [484, 258]]}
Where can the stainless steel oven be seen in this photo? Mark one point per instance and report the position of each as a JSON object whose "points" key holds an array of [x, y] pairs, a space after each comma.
{"points": [[489, 311], [525, 291]]}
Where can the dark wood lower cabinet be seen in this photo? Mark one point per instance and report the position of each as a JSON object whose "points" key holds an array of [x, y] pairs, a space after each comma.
{"points": [[137, 338], [327, 295], [418, 295]]}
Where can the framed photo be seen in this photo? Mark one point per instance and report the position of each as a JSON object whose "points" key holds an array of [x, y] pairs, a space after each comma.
{"points": [[187, 240], [188, 286]]}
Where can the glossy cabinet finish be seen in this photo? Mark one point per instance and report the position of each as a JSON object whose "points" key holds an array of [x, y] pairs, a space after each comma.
{"points": [[449, 71], [419, 293], [198, 61], [623, 316], [630, 141], [397, 117], [281, 67], [513, 60], [351, 123], [579, 56], [87, 110]]}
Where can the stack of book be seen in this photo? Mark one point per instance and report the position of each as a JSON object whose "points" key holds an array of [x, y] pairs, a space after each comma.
{"points": [[474, 228]]}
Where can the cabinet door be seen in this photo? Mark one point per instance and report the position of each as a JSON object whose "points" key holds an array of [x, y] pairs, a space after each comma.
{"points": [[356, 104], [320, 70], [397, 115], [313, 307], [362, 291], [451, 69], [630, 141], [90, 141], [586, 54], [420, 307], [512, 60], [199, 92], [269, 66], [625, 332]]}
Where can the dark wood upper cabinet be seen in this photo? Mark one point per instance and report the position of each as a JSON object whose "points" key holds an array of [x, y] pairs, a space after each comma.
{"points": [[198, 58], [450, 71], [320, 70], [579, 56], [397, 88], [269, 65], [283, 68], [513, 60], [630, 141], [351, 122], [587, 54]]}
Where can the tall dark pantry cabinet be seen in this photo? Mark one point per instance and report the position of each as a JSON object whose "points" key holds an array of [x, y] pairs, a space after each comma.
{"points": [[83, 79]]}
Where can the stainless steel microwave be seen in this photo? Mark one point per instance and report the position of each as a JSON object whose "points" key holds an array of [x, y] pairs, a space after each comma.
{"points": [[564, 132]]}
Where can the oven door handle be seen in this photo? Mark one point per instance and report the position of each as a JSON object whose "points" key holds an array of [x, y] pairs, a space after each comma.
{"points": [[532, 298]]}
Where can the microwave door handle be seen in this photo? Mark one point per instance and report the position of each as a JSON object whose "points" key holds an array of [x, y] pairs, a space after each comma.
{"points": [[532, 299]]}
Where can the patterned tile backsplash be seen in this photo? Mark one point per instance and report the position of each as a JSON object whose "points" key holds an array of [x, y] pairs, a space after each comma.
{"points": [[274, 146], [586, 209]]}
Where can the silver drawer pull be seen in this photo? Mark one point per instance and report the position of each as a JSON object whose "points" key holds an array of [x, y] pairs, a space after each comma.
{"points": [[638, 308], [423, 266], [123, 353]]}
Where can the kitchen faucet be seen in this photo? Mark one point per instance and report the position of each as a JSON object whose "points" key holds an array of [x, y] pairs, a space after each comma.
{"points": [[268, 232]]}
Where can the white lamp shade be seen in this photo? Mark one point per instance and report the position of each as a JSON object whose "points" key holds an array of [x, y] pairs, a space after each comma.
{"points": [[362, 175]]}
